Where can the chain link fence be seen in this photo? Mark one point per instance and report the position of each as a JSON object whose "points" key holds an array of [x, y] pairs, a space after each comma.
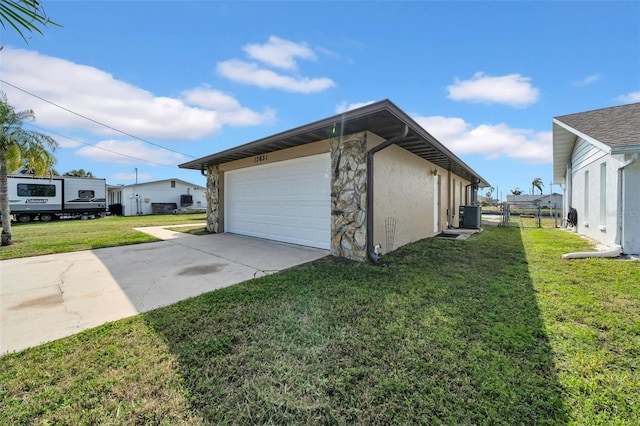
{"points": [[524, 215]]}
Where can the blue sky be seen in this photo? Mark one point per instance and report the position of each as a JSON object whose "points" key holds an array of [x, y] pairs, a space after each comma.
{"points": [[198, 77]]}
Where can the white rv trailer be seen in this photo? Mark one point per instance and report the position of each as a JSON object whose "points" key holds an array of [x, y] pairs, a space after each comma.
{"points": [[61, 197]]}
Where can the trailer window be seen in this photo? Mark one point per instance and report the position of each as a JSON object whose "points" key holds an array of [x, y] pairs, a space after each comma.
{"points": [[36, 190], [86, 193]]}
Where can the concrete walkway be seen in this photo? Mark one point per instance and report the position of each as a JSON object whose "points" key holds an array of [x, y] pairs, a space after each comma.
{"points": [[45, 298]]}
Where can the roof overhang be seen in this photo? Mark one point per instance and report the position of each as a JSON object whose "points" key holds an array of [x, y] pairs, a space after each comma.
{"points": [[563, 142], [564, 139], [383, 118], [625, 150]]}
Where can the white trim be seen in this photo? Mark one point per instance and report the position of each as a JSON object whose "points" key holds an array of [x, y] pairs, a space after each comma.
{"points": [[584, 136]]}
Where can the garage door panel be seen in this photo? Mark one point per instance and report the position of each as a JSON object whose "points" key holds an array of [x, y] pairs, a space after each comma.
{"points": [[286, 201]]}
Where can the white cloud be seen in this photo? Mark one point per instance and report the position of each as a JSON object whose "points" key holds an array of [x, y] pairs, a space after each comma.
{"points": [[101, 97], [246, 117], [280, 53], [110, 151], [513, 89], [251, 73], [344, 106], [130, 178], [490, 140], [276, 53], [629, 98], [588, 80], [210, 98], [228, 108]]}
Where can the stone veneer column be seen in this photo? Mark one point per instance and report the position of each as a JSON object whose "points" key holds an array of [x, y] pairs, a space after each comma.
{"points": [[213, 197], [349, 197]]}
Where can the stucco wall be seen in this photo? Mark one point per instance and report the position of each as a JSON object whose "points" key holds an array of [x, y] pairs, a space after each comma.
{"points": [[314, 148], [459, 195], [596, 204], [404, 194]]}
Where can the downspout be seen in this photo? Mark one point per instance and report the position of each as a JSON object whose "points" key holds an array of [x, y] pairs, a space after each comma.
{"points": [[371, 249], [620, 201], [568, 203], [617, 248], [471, 193], [450, 200]]}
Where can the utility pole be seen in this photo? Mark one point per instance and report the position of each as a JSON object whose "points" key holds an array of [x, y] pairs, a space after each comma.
{"points": [[135, 193]]}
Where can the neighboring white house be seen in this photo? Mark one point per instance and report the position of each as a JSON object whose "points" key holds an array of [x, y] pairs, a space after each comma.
{"points": [[159, 197], [550, 201], [595, 159]]}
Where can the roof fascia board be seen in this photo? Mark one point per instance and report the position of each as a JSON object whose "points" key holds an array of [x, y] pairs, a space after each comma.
{"points": [[158, 181], [316, 125], [418, 129], [625, 149], [383, 105], [597, 143]]}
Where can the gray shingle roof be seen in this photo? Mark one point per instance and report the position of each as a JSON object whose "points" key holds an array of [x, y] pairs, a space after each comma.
{"points": [[616, 127]]}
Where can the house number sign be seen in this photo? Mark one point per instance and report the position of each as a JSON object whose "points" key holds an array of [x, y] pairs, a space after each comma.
{"points": [[260, 158]]}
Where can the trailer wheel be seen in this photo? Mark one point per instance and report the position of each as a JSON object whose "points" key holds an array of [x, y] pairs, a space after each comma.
{"points": [[24, 218], [46, 217]]}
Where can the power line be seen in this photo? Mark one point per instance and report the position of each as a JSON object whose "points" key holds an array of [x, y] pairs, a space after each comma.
{"points": [[92, 120], [99, 147]]}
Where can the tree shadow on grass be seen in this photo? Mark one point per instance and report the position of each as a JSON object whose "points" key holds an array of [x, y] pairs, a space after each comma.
{"points": [[442, 332]]}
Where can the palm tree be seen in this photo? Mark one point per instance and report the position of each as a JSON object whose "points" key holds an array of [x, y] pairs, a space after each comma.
{"points": [[17, 148], [537, 183], [516, 191], [24, 15], [79, 173]]}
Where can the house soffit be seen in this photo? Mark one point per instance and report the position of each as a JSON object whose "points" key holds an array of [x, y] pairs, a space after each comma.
{"points": [[564, 140], [381, 118]]}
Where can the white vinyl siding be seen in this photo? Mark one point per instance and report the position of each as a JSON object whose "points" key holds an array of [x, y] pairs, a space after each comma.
{"points": [[585, 154]]}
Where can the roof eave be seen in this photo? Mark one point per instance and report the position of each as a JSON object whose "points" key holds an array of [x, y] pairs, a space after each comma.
{"points": [[563, 142], [314, 126], [337, 122], [632, 149]]}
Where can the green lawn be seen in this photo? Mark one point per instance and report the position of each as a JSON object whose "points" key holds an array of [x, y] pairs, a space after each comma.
{"points": [[494, 330], [35, 239]]}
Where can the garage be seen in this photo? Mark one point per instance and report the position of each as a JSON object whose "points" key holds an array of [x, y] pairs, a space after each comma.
{"points": [[286, 201], [321, 185]]}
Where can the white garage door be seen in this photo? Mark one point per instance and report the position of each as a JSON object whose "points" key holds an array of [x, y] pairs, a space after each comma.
{"points": [[286, 201]]}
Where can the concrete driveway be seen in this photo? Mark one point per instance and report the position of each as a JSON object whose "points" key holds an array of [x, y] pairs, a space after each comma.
{"points": [[45, 298]]}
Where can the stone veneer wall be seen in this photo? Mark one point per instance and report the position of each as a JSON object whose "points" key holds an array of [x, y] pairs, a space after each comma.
{"points": [[349, 197], [213, 198]]}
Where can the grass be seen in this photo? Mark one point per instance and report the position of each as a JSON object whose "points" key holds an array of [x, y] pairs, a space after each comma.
{"points": [[193, 230], [35, 239], [493, 330], [525, 221]]}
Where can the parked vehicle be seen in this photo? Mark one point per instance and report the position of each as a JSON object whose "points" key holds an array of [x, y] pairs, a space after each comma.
{"points": [[60, 197]]}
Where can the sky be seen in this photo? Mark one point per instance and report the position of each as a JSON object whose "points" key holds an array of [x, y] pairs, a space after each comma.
{"points": [[133, 88]]}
